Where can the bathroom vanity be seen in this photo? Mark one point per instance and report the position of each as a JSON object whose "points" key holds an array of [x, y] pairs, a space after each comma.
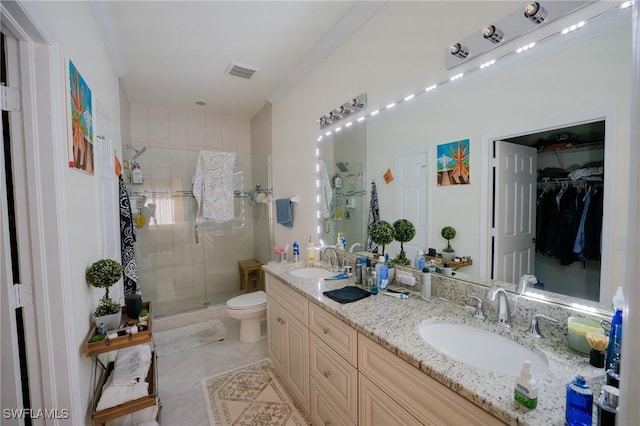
{"points": [[365, 363]]}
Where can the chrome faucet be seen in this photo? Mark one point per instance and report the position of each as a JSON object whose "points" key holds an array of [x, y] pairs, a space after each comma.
{"points": [[478, 308], [328, 255], [525, 281], [534, 327], [503, 317], [353, 246]]}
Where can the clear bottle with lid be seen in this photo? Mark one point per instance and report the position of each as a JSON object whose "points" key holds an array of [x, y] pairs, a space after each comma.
{"points": [[382, 271]]}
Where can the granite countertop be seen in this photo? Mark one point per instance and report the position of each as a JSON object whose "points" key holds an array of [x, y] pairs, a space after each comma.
{"points": [[393, 323]]}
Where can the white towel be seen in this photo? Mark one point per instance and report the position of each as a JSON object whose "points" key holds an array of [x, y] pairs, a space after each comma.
{"points": [[213, 186], [113, 395], [326, 193]]}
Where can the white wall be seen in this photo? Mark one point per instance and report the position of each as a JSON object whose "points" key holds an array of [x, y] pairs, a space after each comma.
{"points": [[75, 30]]}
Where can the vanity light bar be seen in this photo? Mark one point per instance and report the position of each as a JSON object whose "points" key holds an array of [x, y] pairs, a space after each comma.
{"points": [[430, 88], [391, 105], [375, 112], [573, 28], [626, 4], [348, 124], [408, 98], [457, 77]]}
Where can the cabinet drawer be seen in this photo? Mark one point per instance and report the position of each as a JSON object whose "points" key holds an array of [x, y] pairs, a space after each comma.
{"points": [[296, 304], [335, 375], [338, 335], [428, 400], [323, 411], [377, 409]]}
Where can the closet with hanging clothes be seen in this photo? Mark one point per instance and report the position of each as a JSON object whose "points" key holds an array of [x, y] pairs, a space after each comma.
{"points": [[569, 212]]}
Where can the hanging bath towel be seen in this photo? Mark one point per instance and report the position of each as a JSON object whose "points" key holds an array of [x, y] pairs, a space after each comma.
{"points": [[127, 238], [374, 216], [326, 193], [213, 186], [283, 212]]}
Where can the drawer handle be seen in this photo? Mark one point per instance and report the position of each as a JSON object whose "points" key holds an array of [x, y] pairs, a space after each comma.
{"points": [[326, 330], [280, 320], [327, 373]]}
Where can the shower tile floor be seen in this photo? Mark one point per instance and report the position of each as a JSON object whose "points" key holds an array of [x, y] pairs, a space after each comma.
{"points": [[179, 374], [192, 303]]}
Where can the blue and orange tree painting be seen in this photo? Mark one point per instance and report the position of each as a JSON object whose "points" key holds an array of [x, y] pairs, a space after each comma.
{"points": [[81, 121], [453, 163]]}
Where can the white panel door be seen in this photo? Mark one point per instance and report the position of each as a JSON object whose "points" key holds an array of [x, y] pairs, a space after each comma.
{"points": [[514, 211], [411, 198]]}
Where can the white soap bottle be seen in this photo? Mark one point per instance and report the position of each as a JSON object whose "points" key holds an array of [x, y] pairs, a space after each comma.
{"points": [[526, 388]]}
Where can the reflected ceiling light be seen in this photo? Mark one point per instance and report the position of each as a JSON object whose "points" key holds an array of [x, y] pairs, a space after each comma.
{"points": [[573, 28], [488, 64], [535, 13], [493, 34], [348, 124], [523, 48], [343, 111], [408, 98], [338, 129], [328, 134], [626, 4], [456, 77], [317, 152], [430, 88], [459, 50], [375, 112], [391, 105], [319, 138]]}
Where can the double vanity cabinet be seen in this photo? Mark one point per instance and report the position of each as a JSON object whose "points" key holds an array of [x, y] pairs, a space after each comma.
{"points": [[342, 377]]}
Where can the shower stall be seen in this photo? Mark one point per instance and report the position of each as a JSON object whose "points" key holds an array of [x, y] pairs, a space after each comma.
{"points": [[184, 266]]}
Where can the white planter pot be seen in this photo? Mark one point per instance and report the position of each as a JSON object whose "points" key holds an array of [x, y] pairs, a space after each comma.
{"points": [[448, 255], [112, 322], [392, 274]]}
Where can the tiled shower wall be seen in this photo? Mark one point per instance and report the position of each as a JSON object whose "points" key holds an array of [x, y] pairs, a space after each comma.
{"points": [[178, 271]]}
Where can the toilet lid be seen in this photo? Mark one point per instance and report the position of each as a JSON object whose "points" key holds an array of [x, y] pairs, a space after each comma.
{"points": [[249, 300]]}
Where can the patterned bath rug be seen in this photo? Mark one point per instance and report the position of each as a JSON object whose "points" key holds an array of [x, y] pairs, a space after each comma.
{"points": [[178, 339], [251, 395]]}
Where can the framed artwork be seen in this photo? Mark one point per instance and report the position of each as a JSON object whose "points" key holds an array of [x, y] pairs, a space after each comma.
{"points": [[453, 163], [80, 121]]}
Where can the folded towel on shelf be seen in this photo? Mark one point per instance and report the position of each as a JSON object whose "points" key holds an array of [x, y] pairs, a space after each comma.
{"points": [[144, 417], [347, 294], [131, 365], [213, 186], [113, 395], [283, 212]]}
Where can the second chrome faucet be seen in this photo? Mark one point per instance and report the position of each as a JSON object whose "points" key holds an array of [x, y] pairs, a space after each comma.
{"points": [[503, 317]]}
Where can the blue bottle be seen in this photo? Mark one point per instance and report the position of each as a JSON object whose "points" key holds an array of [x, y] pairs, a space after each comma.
{"points": [[579, 404], [615, 335], [382, 270], [296, 252]]}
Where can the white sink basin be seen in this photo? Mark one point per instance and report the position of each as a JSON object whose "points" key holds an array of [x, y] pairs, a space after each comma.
{"points": [[312, 273], [480, 348]]}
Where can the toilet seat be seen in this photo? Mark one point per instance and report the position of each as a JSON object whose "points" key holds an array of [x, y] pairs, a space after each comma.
{"points": [[256, 299]]}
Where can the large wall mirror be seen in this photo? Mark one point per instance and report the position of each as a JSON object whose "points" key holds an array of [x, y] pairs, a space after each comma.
{"points": [[569, 91], [342, 185]]}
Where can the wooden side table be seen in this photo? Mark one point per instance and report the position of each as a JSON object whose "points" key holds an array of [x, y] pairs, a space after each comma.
{"points": [[249, 268]]}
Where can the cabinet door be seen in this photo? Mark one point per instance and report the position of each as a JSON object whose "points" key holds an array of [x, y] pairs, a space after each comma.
{"points": [[297, 359], [275, 334], [376, 408]]}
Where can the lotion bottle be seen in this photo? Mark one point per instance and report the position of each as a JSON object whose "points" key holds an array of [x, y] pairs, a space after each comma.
{"points": [[526, 388], [311, 251]]}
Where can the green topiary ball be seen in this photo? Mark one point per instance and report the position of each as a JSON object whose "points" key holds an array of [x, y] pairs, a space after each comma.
{"points": [[104, 273], [382, 233], [404, 230]]}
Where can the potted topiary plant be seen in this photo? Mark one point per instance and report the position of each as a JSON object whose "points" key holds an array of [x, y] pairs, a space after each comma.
{"points": [[404, 231], [103, 274], [448, 233], [382, 233]]}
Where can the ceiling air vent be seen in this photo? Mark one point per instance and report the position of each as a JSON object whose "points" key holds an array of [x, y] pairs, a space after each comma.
{"points": [[239, 70]]}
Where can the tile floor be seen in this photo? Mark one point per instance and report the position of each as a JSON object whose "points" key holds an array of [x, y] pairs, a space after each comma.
{"points": [[179, 374]]}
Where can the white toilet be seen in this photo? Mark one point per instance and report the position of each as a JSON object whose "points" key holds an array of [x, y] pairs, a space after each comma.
{"points": [[250, 309]]}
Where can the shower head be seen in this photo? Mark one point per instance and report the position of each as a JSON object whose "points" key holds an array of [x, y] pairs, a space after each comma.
{"points": [[138, 152], [342, 166]]}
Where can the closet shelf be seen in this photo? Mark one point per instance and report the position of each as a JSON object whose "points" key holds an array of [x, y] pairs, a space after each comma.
{"points": [[575, 146]]}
